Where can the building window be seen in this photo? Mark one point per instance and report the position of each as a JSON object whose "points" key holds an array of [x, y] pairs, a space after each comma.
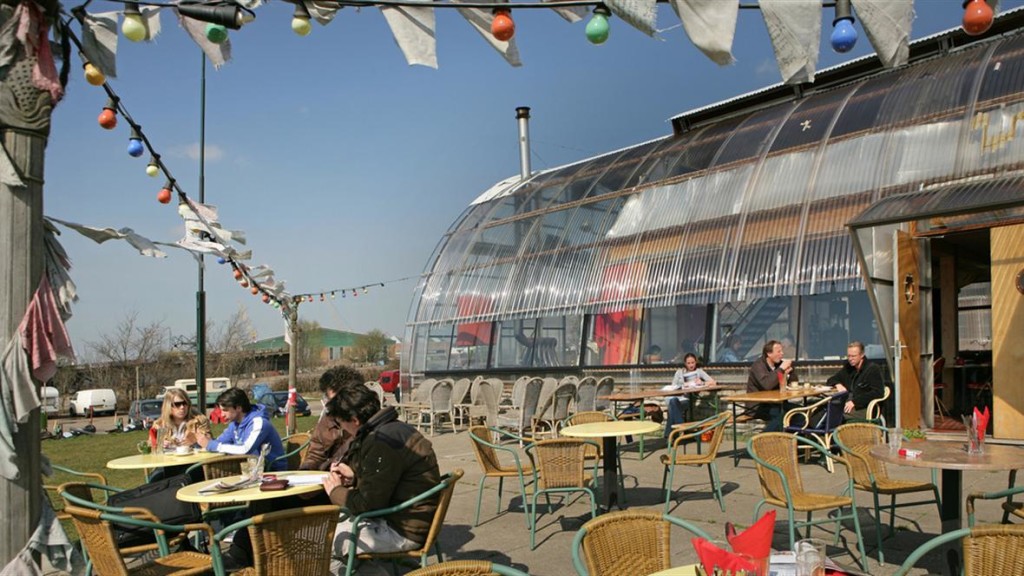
{"points": [[613, 338], [472, 344], [828, 322], [672, 332], [439, 345]]}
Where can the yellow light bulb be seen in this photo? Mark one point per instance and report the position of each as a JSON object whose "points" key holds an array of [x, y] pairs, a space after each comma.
{"points": [[301, 26], [133, 27], [93, 75]]}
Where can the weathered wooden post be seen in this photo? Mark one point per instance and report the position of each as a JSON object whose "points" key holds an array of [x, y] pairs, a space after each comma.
{"points": [[24, 126]]}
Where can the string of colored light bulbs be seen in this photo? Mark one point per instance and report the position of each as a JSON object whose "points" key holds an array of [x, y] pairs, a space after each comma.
{"points": [[138, 144], [355, 290], [222, 14]]}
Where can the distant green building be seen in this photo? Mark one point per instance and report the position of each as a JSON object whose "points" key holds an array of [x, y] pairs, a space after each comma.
{"points": [[331, 343]]}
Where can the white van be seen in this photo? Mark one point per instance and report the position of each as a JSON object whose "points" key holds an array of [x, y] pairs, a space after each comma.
{"points": [[214, 387], [101, 400], [50, 399]]}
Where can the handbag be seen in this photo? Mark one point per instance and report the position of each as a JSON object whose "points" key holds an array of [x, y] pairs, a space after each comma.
{"points": [[160, 498]]}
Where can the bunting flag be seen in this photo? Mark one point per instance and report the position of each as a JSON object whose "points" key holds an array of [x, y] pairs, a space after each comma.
{"points": [[144, 245], [710, 25], [887, 25], [794, 27], [481, 21], [413, 28], [322, 12], [8, 171], [151, 20], [218, 54], [570, 13], [640, 14], [99, 41]]}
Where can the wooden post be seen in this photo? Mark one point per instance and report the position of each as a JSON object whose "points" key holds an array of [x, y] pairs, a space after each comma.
{"points": [[24, 127], [293, 330]]}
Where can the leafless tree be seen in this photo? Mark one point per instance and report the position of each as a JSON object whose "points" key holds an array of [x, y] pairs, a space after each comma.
{"points": [[309, 345], [233, 335], [131, 342]]}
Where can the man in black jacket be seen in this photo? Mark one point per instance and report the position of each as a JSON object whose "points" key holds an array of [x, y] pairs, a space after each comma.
{"points": [[862, 379]]}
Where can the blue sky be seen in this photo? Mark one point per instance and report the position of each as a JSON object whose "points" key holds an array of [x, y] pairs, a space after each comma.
{"points": [[343, 164]]}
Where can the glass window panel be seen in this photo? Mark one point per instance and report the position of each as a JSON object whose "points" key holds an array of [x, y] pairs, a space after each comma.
{"points": [[1005, 73], [515, 343], [751, 139], [808, 124], [613, 338], [861, 111], [743, 328], [625, 166], [559, 342], [828, 322], [698, 154], [975, 316], [670, 332], [439, 345]]}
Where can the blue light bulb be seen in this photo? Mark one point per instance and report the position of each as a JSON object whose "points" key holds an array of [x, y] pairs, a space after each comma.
{"points": [[135, 147], [221, 261], [844, 35]]}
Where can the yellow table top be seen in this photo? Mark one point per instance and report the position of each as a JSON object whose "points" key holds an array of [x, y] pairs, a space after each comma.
{"points": [[160, 459], [689, 570], [610, 428], [191, 493]]}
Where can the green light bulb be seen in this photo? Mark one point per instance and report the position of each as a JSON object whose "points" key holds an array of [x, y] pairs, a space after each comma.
{"points": [[216, 33], [597, 28]]}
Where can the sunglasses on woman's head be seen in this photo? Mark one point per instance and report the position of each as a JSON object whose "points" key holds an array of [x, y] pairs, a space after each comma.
{"points": [[179, 404]]}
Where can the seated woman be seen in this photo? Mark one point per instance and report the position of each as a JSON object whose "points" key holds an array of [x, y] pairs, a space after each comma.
{"points": [[178, 425], [690, 375]]}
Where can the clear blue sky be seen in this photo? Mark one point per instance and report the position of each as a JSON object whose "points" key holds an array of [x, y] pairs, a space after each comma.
{"points": [[343, 164]]}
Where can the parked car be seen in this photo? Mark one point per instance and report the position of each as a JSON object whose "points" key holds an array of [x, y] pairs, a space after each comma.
{"points": [[277, 403], [100, 400], [143, 412]]}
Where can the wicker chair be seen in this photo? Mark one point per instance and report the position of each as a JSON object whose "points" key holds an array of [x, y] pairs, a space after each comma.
{"points": [[987, 550], [53, 491], [775, 455], [626, 542], [596, 456], [296, 542], [586, 394], [97, 534], [870, 474], [377, 389], [467, 568], [555, 410], [296, 446], [677, 456], [807, 421], [521, 419], [874, 412], [481, 437], [460, 408], [439, 403], [442, 492], [605, 387], [1010, 506], [558, 466]]}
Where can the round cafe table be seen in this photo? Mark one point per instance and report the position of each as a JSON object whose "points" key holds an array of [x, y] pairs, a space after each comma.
{"points": [[306, 482], [609, 431], [160, 459], [952, 458]]}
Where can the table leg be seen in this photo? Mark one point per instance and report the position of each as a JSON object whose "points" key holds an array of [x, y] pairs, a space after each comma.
{"points": [[735, 454], [952, 501], [611, 479]]}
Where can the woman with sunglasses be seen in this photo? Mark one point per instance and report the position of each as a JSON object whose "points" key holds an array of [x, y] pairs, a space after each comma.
{"points": [[178, 425]]}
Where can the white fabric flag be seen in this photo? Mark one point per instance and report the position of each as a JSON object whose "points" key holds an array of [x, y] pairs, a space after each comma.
{"points": [[413, 28], [640, 14], [151, 18], [287, 332], [481, 20], [217, 53], [711, 25], [322, 12], [99, 41], [887, 26], [144, 245], [795, 29], [8, 171], [570, 13]]}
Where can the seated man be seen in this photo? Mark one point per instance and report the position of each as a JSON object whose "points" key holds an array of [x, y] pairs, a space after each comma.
{"points": [[862, 379], [769, 372], [248, 429], [387, 463], [692, 375], [329, 442]]}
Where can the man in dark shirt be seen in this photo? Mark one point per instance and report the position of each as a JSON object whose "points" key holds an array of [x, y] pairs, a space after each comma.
{"points": [[862, 379], [769, 372]]}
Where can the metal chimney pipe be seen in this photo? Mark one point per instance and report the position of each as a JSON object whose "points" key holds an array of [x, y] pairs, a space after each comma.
{"points": [[523, 116]]}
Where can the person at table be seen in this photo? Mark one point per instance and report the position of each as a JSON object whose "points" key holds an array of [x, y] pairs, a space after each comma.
{"points": [[178, 425], [248, 430], [769, 372], [329, 441], [690, 375], [861, 378], [731, 351], [388, 462]]}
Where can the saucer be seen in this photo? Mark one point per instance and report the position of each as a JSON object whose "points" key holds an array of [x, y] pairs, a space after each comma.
{"points": [[189, 453]]}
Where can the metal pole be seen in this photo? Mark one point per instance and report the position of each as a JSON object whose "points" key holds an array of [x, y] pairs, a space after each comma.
{"points": [[293, 324], [523, 117], [200, 291]]}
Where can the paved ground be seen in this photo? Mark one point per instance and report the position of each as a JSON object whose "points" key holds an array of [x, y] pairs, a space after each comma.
{"points": [[504, 537]]}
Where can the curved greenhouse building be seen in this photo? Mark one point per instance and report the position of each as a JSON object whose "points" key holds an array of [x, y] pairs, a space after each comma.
{"points": [[875, 205]]}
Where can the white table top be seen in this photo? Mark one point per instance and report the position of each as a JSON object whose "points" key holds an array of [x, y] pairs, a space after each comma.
{"points": [[191, 493], [160, 459], [612, 428]]}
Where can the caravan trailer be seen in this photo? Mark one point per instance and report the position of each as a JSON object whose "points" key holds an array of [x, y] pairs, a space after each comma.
{"points": [[214, 388]]}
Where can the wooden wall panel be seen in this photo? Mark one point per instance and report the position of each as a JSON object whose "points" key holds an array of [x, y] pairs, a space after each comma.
{"points": [[1007, 333]]}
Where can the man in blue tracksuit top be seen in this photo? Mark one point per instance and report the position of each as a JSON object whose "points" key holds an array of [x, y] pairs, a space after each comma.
{"points": [[248, 429]]}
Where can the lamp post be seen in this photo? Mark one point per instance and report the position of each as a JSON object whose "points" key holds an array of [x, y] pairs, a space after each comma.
{"points": [[200, 291]]}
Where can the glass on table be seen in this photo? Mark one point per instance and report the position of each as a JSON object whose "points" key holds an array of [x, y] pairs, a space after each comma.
{"points": [[816, 544], [250, 467], [895, 439], [810, 563]]}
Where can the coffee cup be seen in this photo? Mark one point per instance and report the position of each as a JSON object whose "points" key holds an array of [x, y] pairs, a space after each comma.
{"points": [[182, 449]]}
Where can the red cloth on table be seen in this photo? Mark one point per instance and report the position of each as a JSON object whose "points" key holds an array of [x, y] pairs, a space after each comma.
{"points": [[755, 541], [712, 556]]}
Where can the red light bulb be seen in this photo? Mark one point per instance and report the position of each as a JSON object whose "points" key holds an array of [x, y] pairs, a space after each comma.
{"points": [[238, 274], [977, 17], [244, 283], [254, 290], [502, 27], [266, 298], [164, 196], [108, 118]]}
